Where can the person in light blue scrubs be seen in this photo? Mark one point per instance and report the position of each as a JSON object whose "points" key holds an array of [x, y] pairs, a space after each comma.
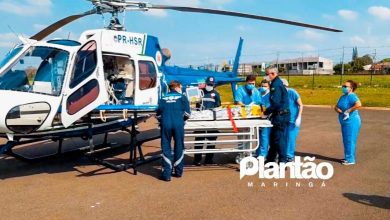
{"points": [[248, 94], [262, 150], [296, 108], [350, 121]]}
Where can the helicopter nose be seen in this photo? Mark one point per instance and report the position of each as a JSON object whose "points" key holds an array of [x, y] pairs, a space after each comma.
{"points": [[22, 112]]}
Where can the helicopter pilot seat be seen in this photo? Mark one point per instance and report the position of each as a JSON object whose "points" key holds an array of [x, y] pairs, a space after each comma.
{"points": [[43, 78]]}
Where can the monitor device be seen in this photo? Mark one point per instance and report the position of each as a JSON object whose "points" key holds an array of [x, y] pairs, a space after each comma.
{"points": [[193, 93]]}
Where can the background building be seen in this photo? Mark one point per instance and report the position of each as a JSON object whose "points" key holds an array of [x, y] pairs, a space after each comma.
{"points": [[305, 65]]}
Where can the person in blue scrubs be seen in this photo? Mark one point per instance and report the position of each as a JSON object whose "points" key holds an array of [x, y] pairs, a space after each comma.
{"points": [[296, 108], [248, 94], [173, 110], [349, 119], [262, 150]]}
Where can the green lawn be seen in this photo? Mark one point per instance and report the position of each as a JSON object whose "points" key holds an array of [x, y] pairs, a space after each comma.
{"points": [[326, 89]]}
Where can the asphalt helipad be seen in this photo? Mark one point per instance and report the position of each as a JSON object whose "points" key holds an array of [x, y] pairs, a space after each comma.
{"points": [[76, 188]]}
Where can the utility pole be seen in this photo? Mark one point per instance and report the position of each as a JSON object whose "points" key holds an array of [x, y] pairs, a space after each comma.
{"points": [[374, 60], [277, 60], [302, 62], [318, 65], [342, 68]]}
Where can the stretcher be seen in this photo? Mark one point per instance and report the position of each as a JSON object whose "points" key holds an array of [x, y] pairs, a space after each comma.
{"points": [[234, 136]]}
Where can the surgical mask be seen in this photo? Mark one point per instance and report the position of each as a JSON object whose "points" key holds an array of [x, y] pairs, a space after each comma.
{"points": [[263, 90], [345, 90], [267, 78], [209, 88], [250, 86]]}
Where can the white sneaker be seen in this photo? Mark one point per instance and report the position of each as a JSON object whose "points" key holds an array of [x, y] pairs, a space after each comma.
{"points": [[346, 163]]}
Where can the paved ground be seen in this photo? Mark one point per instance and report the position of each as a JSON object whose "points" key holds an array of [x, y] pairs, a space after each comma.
{"points": [[74, 188]]}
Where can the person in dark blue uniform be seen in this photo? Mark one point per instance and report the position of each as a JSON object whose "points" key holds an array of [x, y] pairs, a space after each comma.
{"points": [[279, 113], [173, 110], [210, 100], [350, 121]]}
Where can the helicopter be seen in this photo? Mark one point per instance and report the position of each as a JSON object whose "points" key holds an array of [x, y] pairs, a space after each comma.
{"points": [[108, 80]]}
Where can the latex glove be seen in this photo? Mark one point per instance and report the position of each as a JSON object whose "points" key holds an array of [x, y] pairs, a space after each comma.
{"points": [[298, 122], [264, 116], [346, 116]]}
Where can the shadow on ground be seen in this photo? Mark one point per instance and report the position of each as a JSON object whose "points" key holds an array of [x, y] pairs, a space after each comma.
{"points": [[317, 156], [370, 200]]}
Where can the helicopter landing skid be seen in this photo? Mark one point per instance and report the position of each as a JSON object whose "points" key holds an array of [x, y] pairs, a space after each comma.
{"points": [[92, 151], [8, 149], [136, 140]]}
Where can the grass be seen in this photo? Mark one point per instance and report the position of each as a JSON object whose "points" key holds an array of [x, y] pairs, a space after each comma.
{"points": [[326, 89]]}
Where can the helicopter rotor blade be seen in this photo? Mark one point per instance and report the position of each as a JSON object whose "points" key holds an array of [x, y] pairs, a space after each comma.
{"points": [[239, 14], [59, 24]]}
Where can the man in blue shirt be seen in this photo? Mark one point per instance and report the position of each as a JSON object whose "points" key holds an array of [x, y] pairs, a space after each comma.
{"points": [[248, 94], [296, 108], [173, 110], [279, 113], [210, 100]]}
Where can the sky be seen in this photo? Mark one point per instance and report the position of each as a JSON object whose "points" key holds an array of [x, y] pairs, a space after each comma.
{"points": [[196, 39]]}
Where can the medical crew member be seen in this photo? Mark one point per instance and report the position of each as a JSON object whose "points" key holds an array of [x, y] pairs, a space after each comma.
{"points": [[210, 100], [280, 117], [349, 119], [173, 110], [296, 108], [262, 150], [248, 94]]}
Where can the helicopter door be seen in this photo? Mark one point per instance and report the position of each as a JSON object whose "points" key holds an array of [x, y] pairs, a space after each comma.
{"points": [[85, 90], [146, 89]]}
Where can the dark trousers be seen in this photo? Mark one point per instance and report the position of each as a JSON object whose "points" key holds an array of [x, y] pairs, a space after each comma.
{"points": [[278, 138], [209, 156], [172, 162]]}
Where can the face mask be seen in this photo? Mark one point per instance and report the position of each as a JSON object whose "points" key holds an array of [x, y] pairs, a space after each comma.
{"points": [[250, 86], [209, 88], [345, 90], [267, 78], [263, 90]]}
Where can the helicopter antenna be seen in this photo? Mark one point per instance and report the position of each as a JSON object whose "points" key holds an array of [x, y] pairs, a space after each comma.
{"points": [[12, 30]]}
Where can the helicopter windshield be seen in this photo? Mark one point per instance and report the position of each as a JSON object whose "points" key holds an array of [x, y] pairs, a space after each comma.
{"points": [[38, 70], [10, 55]]}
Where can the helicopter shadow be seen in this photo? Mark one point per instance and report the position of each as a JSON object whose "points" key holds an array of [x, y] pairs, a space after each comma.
{"points": [[69, 161], [47, 161]]}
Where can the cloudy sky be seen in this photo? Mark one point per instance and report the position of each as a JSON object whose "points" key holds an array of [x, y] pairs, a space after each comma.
{"points": [[200, 38]]}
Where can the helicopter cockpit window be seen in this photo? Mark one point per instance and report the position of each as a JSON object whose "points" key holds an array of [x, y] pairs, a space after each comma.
{"points": [[147, 75], [38, 70], [86, 62], [10, 55]]}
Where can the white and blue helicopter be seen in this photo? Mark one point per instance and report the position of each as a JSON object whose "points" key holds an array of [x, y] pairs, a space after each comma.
{"points": [[106, 81]]}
